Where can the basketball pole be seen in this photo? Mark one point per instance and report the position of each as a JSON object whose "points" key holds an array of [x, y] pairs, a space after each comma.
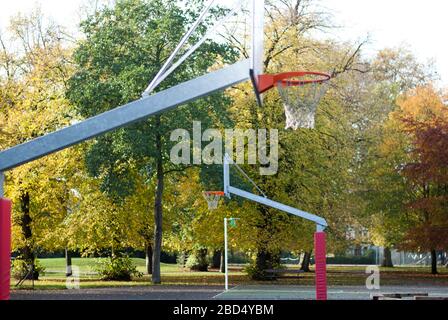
{"points": [[226, 261], [5, 242], [319, 236], [321, 263]]}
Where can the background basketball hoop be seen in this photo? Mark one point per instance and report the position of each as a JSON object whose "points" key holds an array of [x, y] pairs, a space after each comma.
{"points": [[212, 198], [301, 93]]}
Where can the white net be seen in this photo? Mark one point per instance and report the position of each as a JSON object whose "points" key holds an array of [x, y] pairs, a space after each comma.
{"points": [[212, 199], [301, 102]]}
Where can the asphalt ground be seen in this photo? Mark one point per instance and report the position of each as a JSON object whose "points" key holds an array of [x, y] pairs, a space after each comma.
{"points": [[250, 292]]}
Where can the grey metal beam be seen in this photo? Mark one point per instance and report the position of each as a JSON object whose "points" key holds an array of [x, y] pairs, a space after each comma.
{"points": [[279, 206], [226, 170], [125, 115], [229, 190]]}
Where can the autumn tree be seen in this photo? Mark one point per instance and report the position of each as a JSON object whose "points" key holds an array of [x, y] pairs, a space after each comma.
{"points": [[35, 69], [425, 119], [380, 142]]}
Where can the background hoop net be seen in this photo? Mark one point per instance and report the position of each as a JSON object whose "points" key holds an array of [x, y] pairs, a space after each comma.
{"points": [[301, 98], [212, 198]]}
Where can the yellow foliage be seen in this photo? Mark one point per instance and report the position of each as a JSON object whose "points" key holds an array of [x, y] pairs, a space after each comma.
{"points": [[423, 103]]}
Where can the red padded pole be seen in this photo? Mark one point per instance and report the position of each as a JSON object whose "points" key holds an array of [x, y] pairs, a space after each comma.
{"points": [[5, 248], [321, 265]]}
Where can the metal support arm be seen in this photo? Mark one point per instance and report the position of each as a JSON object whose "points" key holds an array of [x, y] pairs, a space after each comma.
{"points": [[279, 206], [185, 38], [229, 190], [125, 115]]}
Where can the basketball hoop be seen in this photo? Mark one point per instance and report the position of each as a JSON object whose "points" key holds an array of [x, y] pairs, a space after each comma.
{"points": [[213, 198], [301, 93]]}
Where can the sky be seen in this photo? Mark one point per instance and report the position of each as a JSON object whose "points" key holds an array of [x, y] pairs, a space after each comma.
{"points": [[64, 12], [420, 25]]}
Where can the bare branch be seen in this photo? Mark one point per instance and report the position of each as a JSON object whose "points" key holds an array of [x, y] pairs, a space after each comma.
{"points": [[350, 63]]}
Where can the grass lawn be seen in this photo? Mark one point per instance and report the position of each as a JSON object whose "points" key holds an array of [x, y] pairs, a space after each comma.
{"points": [[56, 266], [54, 276]]}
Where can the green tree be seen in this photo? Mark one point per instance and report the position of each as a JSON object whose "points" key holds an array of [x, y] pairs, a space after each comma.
{"points": [[314, 165], [124, 47]]}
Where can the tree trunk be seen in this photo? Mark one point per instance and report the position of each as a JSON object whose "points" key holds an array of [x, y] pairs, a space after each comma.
{"points": [[68, 263], [216, 260], [443, 261], [434, 262], [358, 251], [261, 264], [148, 251], [387, 259], [158, 210], [201, 256], [265, 260], [182, 259], [223, 262], [25, 224], [305, 267]]}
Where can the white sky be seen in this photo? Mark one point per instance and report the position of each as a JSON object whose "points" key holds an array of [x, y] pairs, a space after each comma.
{"points": [[422, 25], [64, 12]]}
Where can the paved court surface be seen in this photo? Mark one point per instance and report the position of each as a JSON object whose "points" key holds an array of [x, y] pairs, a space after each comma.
{"points": [[191, 293], [128, 293], [334, 293]]}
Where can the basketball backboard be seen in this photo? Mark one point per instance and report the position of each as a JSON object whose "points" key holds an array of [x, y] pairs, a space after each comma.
{"points": [[257, 51]]}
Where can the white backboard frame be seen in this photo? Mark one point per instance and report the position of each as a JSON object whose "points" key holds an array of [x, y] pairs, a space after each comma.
{"points": [[257, 50]]}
